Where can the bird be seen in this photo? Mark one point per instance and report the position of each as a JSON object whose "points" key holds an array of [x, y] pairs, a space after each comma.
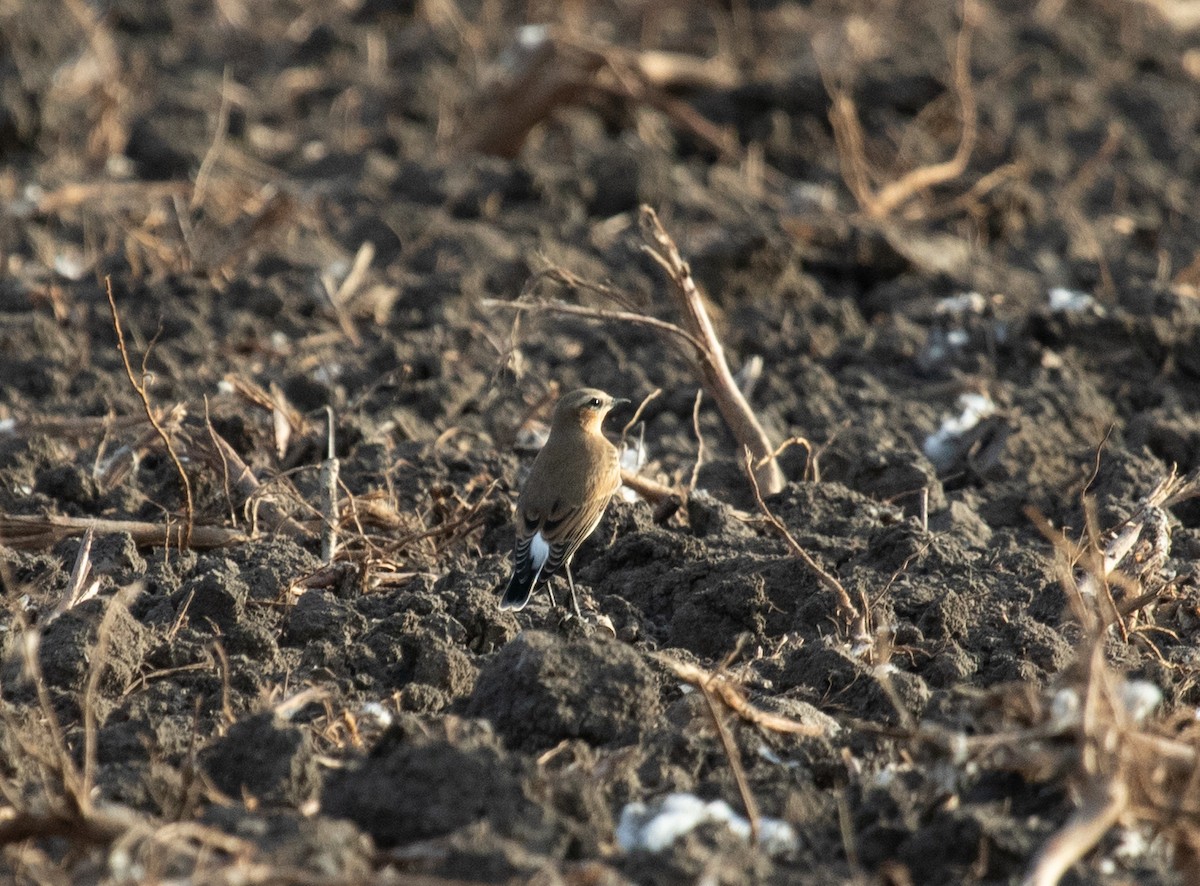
{"points": [[568, 489]]}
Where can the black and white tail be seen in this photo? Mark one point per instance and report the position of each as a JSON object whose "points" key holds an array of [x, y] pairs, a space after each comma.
{"points": [[529, 558]]}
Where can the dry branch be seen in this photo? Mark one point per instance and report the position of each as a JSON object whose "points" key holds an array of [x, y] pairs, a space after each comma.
{"points": [[1103, 804], [1125, 766], [216, 452], [553, 306], [710, 356], [697, 333], [732, 696], [97, 661], [735, 761], [653, 492], [140, 389], [329, 499], [850, 139], [845, 606], [35, 533]]}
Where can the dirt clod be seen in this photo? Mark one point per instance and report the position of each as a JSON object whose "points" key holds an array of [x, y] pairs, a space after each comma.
{"points": [[540, 690]]}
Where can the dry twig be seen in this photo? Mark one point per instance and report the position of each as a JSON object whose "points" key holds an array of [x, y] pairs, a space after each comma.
{"points": [[1125, 766], [34, 533], [845, 606], [732, 696], [116, 604], [329, 499], [140, 389], [710, 355], [851, 140], [699, 442], [553, 306], [219, 455], [653, 492]]}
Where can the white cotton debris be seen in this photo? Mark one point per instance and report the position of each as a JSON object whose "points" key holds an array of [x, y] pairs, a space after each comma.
{"points": [[70, 263], [963, 303], [531, 37], [657, 826], [338, 269], [633, 457], [1141, 698], [327, 373], [8, 425], [1072, 301], [1131, 844], [948, 336], [26, 204], [373, 710], [1064, 710], [766, 752], [939, 446]]}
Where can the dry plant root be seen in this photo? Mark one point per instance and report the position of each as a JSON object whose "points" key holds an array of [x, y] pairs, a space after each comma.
{"points": [[855, 616], [730, 693], [140, 389], [851, 141]]}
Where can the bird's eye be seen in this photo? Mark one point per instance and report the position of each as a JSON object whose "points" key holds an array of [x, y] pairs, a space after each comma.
{"points": [[594, 403]]}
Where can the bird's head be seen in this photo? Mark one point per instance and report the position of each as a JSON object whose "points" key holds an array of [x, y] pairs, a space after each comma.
{"points": [[584, 408]]}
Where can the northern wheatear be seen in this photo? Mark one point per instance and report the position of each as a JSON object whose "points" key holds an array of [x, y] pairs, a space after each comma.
{"points": [[569, 486]]}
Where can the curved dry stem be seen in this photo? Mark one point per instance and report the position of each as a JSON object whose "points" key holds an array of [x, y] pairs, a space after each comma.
{"points": [[711, 364], [140, 390]]}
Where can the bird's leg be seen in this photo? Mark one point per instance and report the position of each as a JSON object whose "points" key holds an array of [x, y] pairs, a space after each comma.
{"points": [[550, 591], [574, 601]]}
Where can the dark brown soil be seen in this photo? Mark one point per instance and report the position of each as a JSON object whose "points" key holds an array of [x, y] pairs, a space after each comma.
{"points": [[384, 718]]}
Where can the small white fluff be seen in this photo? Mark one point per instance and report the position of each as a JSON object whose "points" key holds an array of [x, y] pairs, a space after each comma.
{"points": [[1064, 710], [532, 36], [373, 710], [632, 459], [957, 338], [938, 446], [1141, 698], [1071, 301], [963, 303], [71, 264], [656, 827]]}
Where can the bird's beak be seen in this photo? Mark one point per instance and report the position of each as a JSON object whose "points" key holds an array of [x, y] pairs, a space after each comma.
{"points": [[618, 401]]}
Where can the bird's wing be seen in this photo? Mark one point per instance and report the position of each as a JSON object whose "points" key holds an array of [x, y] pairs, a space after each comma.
{"points": [[568, 525], [566, 531], [565, 514]]}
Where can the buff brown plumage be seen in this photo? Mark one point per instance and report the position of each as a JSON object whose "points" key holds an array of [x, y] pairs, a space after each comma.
{"points": [[569, 486]]}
